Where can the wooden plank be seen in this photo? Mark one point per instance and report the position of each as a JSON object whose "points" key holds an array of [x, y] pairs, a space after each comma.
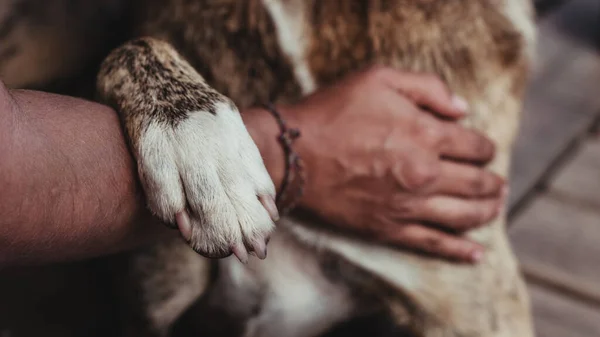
{"points": [[558, 234], [558, 316], [562, 101], [557, 244], [579, 181], [561, 282]]}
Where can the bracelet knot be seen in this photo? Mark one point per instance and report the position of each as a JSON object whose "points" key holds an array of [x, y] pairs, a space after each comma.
{"points": [[292, 186]]}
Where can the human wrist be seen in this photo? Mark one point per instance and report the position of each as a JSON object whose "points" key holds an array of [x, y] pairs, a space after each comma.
{"points": [[264, 131], [294, 178], [266, 126]]}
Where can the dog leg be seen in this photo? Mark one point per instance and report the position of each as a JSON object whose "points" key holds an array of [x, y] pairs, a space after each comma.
{"points": [[284, 295], [198, 165]]}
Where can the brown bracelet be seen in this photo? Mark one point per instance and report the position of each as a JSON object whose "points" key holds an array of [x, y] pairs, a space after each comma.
{"points": [[292, 186]]}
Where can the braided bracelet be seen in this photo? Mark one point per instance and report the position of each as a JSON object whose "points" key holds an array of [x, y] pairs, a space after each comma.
{"points": [[292, 186]]}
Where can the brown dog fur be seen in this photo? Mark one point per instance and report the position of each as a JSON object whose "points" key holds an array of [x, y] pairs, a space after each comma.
{"points": [[56, 45]]}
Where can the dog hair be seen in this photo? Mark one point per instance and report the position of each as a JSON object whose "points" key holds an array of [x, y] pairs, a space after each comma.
{"points": [[178, 85]]}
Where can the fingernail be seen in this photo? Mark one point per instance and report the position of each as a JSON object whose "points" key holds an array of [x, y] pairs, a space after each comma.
{"points": [[460, 104], [184, 224], [240, 252], [476, 256], [268, 203]]}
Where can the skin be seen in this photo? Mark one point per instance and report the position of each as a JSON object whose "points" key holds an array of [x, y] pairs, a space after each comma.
{"points": [[70, 190], [403, 168]]}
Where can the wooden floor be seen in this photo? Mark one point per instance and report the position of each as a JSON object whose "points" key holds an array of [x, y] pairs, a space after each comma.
{"points": [[555, 218], [557, 239]]}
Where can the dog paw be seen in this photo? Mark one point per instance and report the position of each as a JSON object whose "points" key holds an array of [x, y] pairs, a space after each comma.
{"points": [[204, 174]]}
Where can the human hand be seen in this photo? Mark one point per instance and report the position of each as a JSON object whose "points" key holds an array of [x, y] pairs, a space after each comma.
{"points": [[380, 165]]}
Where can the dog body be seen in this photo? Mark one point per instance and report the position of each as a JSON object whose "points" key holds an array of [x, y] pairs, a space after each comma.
{"points": [[57, 45], [174, 89]]}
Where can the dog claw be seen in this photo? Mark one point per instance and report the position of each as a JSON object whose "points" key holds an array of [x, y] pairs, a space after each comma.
{"points": [[268, 203], [260, 249], [240, 252], [184, 224]]}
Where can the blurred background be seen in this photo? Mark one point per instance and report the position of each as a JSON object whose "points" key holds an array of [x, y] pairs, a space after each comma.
{"points": [[555, 183], [554, 205]]}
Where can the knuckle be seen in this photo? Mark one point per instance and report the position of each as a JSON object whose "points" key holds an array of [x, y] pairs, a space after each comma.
{"points": [[420, 128], [433, 243], [404, 207], [433, 136], [422, 174], [478, 184], [428, 132]]}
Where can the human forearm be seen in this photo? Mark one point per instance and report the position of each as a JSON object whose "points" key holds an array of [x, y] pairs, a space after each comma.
{"points": [[69, 187], [69, 184]]}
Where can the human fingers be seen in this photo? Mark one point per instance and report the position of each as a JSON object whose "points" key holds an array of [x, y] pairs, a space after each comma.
{"points": [[435, 242], [465, 144], [427, 91], [465, 180], [456, 213]]}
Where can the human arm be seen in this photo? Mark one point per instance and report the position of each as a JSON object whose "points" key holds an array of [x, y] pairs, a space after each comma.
{"points": [[69, 186]]}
